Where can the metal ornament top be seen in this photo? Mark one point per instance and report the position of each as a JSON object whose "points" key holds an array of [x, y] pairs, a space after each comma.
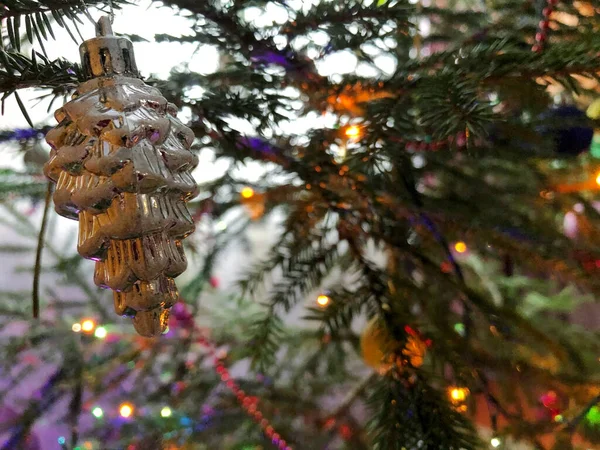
{"points": [[107, 54]]}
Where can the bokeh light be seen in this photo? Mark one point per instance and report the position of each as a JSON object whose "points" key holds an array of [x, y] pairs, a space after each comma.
{"points": [[88, 325], [460, 247], [323, 300], [126, 410], [247, 192]]}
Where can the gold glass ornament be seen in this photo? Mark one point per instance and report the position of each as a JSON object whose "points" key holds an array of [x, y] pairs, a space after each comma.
{"points": [[122, 166]]}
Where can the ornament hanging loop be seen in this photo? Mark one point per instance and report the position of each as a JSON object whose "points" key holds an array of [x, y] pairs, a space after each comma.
{"points": [[112, 11], [104, 25]]}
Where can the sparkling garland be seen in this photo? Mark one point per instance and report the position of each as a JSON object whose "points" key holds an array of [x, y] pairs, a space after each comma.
{"points": [[248, 403], [542, 35]]}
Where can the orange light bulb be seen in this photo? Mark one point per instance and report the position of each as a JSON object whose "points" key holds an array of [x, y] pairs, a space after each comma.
{"points": [[323, 300], [460, 247], [353, 131], [88, 325], [458, 394], [126, 410]]}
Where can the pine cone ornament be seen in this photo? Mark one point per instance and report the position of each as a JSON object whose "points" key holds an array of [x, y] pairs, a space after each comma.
{"points": [[122, 166]]}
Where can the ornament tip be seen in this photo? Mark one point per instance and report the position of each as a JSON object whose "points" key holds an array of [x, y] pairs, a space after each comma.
{"points": [[103, 27]]}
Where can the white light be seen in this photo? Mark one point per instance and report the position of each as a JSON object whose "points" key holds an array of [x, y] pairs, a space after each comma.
{"points": [[100, 332], [495, 442]]}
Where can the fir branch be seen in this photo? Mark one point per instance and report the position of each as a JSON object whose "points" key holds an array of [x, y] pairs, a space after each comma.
{"points": [[409, 412], [19, 72], [574, 422]]}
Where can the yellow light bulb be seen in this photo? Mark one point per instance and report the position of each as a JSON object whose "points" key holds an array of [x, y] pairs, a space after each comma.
{"points": [[166, 412], [458, 394], [247, 192], [126, 410], [460, 247], [76, 327], [323, 300], [353, 131], [88, 325], [598, 179]]}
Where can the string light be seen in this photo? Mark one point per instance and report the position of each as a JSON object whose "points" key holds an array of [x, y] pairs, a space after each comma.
{"points": [[88, 325], [97, 412], [458, 394], [76, 327], [593, 415], [460, 247], [323, 300], [495, 442], [352, 131], [598, 179], [100, 332], [166, 412], [460, 328], [247, 192], [126, 410]]}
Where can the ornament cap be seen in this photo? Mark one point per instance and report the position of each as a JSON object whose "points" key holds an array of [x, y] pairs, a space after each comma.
{"points": [[107, 54]]}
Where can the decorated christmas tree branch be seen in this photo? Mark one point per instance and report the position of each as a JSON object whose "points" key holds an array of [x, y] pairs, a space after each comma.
{"points": [[12, 8]]}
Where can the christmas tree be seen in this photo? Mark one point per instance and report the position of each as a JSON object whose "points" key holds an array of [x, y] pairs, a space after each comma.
{"points": [[396, 246]]}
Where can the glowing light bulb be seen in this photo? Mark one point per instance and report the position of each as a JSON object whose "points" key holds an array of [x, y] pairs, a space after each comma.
{"points": [[353, 131], [97, 412], [88, 325], [247, 192], [100, 332], [598, 179], [126, 410], [458, 394], [166, 412], [460, 247], [76, 327], [593, 415], [323, 300], [495, 442]]}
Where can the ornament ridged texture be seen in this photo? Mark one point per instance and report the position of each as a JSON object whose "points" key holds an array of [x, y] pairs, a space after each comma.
{"points": [[122, 166]]}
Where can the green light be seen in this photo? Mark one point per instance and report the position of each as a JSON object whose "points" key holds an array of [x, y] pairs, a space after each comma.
{"points": [[166, 412], [593, 415], [100, 332], [166, 330], [97, 412], [459, 328]]}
